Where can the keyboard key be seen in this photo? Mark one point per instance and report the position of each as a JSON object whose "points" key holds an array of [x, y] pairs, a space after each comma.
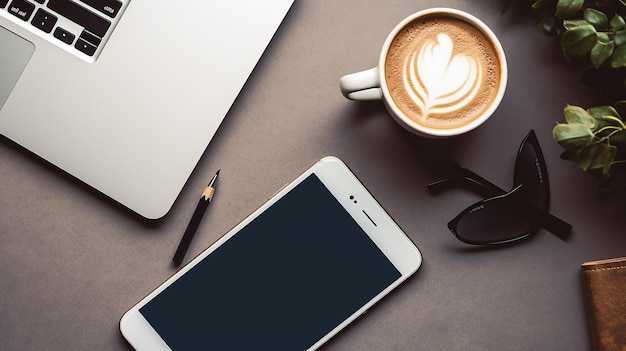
{"points": [[44, 20], [21, 9], [90, 38], [64, 36], [85, 47], [83, 17], [3, 3], [108, 7]]}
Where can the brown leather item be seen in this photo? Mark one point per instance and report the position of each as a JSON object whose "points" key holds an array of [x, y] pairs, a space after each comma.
{"points": [[604, 287]]}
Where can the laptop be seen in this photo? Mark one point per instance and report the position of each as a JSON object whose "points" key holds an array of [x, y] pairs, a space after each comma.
{"points": [[125, 95]]}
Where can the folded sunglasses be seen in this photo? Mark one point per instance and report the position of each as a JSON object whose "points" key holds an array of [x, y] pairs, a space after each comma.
{"points": [[505, 216]]}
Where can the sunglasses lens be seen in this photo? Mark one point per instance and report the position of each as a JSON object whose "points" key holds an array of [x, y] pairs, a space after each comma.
{"points": [[530, 171], [489, 222], [496, 220]]}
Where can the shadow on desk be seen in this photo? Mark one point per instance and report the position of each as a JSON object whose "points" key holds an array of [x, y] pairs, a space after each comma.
{"points": [[49, 169]]}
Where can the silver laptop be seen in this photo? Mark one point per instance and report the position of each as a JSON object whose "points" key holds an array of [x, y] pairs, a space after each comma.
{"points": [[125, 95]]}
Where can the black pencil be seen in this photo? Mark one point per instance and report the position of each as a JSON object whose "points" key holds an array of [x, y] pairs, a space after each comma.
{"points": [[203, 203]]}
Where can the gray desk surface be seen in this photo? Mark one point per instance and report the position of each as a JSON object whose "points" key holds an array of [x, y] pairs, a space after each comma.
{"points": [[71, 262]]}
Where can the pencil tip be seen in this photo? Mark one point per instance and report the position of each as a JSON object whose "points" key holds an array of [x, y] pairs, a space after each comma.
{"points": [[218, 172]]}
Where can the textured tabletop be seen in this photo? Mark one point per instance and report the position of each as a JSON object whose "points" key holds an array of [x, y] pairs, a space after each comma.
{"points": [[72, 262]]}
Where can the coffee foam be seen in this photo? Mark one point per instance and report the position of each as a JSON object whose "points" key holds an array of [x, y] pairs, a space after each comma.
{"points": [[442, 72]]}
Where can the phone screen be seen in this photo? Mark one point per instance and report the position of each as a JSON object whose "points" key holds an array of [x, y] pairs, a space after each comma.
{"points": [[281, 283]]}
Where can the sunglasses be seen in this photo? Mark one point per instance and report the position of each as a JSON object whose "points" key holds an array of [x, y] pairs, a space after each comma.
{"points": [[504, 216]]}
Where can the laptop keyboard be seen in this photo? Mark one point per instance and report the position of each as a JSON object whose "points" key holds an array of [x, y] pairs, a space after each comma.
{"points": [[80, 27]]}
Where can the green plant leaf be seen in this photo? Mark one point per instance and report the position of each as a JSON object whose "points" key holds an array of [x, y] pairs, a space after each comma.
{"points": [[578, 115], [596, 18], [620, 37], [597, 156], [619, 138], [600, 114], [617, 23], [579, 41], [602, 50], [619, 57], [605, 157], [573, 23], [568, 8], [572, 136], [588, 160]]}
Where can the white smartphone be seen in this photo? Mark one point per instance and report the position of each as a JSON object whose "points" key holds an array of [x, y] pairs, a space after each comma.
{"points": [[291, 275]]}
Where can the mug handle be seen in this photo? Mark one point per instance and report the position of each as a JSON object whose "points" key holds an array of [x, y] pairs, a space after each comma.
{"points": [[361, 86]]}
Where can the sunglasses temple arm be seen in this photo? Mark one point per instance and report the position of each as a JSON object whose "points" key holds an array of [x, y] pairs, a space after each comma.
{"points": [[463, 177], [545, 219], [485, 188]]}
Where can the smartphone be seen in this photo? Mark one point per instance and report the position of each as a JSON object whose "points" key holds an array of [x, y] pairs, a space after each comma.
{"points": [[313, 258]]}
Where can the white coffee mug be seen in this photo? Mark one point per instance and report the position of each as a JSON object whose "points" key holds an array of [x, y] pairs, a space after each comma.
{"points": [[373, 85]]}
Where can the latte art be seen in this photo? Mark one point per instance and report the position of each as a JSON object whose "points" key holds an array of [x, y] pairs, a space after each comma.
{"points": [[442, 72], [440, 81]]}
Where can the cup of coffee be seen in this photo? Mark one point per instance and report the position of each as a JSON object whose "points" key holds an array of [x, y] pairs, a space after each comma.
{"points": [[441, 72]]}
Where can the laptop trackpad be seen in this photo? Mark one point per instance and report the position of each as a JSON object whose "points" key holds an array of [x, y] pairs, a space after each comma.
{"points": [[15, 52]]}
